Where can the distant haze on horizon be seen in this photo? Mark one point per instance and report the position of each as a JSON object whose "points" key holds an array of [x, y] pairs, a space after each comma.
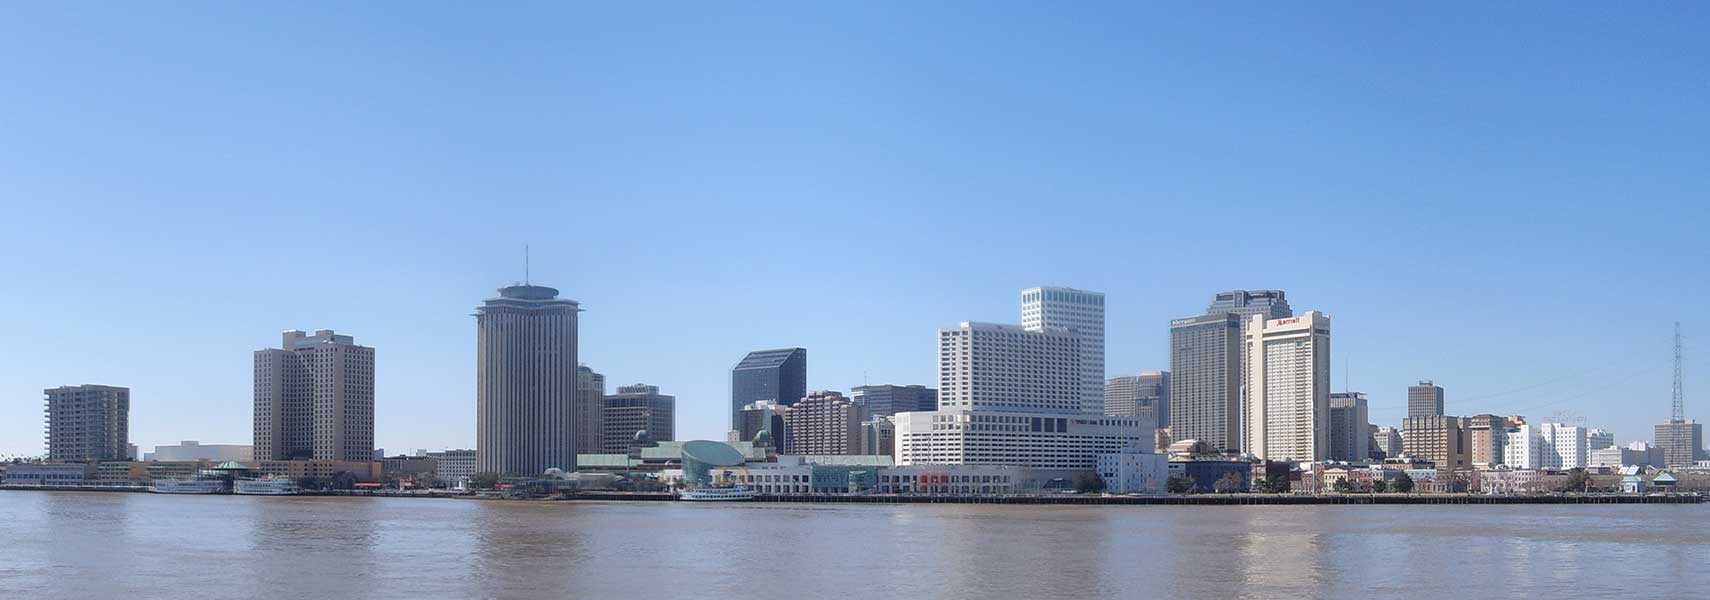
{"points": [[1508, 203]]}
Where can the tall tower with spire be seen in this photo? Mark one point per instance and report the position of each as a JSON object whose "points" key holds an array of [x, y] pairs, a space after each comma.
{"points": [[1680, 439]]}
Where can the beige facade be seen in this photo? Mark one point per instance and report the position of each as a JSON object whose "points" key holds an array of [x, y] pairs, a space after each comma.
{"points": [[825, 422], [590, 397], [1442, 440], [1287, 395], [314, 398]]}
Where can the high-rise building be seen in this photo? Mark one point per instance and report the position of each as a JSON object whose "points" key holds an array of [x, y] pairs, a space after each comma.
{"points": [[1350, 427], [1546, 446], [1287, 416], [525, 418], [1205, 380], [879, 436], [1082, 313], [590, 405], [1273, 304], [1681, 442], [636, 408], [824, 422], [1388, 440], [765, 415], [88, 423], [776, 376], [1146, 395], [887, 400], [987, 366], [1486, 434], [1436, 438], [1598, 439], [1424, 400], [314, 399], [1010, 396]]}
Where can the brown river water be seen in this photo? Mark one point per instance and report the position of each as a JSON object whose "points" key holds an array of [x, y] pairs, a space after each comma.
{"points": [[120, 545]]}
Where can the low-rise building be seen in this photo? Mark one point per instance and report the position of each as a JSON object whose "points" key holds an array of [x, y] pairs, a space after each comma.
{"points": [[189, 450], [409, 466], [454, 468], [1134, 472], [1065, 443], [37, 474]]}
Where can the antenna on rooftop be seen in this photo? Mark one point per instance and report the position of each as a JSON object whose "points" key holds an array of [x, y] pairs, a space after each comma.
{"points": [[525, 264], [1679, 398]]}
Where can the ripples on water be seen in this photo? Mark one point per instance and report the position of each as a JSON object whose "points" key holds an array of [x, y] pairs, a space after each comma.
{"points": [[115, 545]]}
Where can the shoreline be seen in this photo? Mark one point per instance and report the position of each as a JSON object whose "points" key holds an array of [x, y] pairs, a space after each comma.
{"points": [[1064, 499]]}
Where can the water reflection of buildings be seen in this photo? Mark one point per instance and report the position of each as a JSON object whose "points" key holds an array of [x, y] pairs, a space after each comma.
{"points": [[1284, 557]]}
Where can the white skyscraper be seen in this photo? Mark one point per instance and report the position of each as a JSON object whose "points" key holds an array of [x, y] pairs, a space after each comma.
{"points": [[1286, 407], [1012, 396], [1078, 311], [987, 366], [1547, 446]]}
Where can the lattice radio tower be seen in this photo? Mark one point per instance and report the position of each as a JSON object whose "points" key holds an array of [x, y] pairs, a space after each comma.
{"points": [[1679, 398]]}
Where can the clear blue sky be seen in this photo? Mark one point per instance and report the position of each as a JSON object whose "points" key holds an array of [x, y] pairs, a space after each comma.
{"points": [[1510, 200]]}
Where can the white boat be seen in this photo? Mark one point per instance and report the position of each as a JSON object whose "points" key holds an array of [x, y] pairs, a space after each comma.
{"points": [[271, 486], [717, 494], [188, 486]]}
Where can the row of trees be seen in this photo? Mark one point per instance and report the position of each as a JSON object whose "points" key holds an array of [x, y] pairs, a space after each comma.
{"points": [[1402, 484]]}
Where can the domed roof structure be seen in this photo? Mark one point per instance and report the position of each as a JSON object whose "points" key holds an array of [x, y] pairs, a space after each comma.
{"points": [[644, 439], [763, 438], [712, 454]]}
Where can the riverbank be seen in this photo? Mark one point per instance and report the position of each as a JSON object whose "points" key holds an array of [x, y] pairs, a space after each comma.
{"points": [[1194, 500], [1064, 499]]}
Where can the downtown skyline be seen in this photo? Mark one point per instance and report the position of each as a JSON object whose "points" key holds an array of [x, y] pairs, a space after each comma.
{"points": [[1516, 216]]}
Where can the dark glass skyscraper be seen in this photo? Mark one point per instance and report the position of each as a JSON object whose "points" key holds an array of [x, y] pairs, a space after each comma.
{"points": [[778, 376], [887, 400], [1271, 303], [1205, 380]]}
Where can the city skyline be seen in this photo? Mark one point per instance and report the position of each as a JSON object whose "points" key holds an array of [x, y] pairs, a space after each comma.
{"points": [[1407, 401], [1519, 184]]}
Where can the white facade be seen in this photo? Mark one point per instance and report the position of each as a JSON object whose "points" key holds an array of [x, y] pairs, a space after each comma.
{"points": [[1080, 312], [1546, 446], [189, 450], [986, 366], [1134, 472], [1040, 441], [1286, 412], [1521, 449], [1564, 446]]}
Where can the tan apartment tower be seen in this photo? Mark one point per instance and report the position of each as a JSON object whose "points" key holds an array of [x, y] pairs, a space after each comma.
{"points": [[314, 399]]}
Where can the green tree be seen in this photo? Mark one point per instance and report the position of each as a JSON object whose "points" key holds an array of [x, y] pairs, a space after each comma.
{"points": [[1404, 483], [1229, 483], [484, 481], [1178, 485], [1378, 486], [1089, 482], [1577, 481], [1342, 486]]}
